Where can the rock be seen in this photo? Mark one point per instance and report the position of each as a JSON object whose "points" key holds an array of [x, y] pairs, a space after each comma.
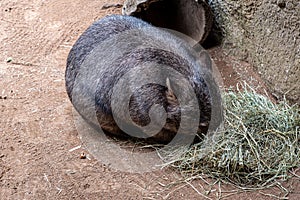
{"points": [[193, 18]]}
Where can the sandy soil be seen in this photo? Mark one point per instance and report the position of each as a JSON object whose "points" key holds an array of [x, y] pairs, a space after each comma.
{"points": [[37, 129]]}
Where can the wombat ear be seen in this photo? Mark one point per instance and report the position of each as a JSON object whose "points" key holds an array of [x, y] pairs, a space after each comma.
{"points": [[169, 93], [205, 60], [203, 57]]}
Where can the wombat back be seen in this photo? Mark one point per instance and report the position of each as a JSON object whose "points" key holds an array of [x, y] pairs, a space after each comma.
{"points": [[99, 31]]}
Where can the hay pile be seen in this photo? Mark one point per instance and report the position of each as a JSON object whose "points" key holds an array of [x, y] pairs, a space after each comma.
{"points": [[260, 143]]}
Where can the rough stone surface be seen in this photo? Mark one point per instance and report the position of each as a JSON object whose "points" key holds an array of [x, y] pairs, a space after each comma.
{"points": [[266, 34], [192, 18]]}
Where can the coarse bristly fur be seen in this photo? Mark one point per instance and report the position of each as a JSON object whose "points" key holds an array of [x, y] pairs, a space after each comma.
{"points": [[142, 99]]}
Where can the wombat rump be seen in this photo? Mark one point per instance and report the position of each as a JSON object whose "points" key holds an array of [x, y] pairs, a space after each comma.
{"points": [[136, 80]]}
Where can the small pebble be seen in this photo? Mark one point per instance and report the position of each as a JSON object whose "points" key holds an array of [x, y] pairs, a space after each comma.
{"points": [[8, 60], [82, 155], [281, 4]]}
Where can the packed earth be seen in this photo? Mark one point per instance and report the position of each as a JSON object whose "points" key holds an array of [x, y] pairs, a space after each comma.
{"points": [[41, 154]]}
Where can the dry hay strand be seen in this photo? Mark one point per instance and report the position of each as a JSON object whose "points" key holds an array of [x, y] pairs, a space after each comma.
{"points": [[258, 146]]}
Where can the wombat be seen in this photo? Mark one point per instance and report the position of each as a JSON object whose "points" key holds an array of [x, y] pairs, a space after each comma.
{"points": [[117, 46]]}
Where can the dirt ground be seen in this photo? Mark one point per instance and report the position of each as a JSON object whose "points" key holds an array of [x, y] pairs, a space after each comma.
{"points": [[37, 129]]}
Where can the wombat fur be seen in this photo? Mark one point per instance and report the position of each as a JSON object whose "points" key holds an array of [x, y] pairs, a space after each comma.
{"points": [[159, 47]]}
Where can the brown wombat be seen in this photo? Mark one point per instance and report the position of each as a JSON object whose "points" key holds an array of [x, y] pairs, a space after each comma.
{"points": [[117, 46]]}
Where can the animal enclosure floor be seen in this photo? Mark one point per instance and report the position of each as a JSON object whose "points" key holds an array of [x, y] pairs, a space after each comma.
{"points": [[38, 138]]}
